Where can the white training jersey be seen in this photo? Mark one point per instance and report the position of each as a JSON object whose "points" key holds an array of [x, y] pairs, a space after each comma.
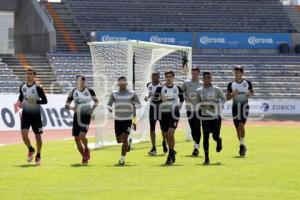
{"points": [[151, 89], [170, 97], [243, 88], [34, 92], [82, 99]]}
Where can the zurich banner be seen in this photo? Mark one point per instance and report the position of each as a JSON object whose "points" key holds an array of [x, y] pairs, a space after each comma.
{"points": [[173, 38], [261, 107], [210, 40]]}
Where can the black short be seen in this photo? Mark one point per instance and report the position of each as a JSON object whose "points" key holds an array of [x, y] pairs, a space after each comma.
{"points": [[80, 124], [211, 125], [153, 124], [169, 121], [154, 112], [194, 115], [154, 117], [240, 113], [34, 121], [122, 126]]}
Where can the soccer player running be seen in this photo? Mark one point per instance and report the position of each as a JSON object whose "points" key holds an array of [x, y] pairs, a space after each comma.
{"points": [[171, 97], [211, 100], [189, 88], [30, 99], [83, 110], [240, 90], [154, 114], [124, 102]]}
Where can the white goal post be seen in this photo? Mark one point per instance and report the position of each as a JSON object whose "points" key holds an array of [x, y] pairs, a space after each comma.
{"points": [[135, 60]]}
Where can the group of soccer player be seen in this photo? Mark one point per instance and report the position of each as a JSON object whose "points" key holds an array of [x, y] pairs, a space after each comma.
{"points": [[204, 103]]}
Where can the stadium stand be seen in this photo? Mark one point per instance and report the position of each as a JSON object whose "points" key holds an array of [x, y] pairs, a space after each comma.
{"points": [[67, 65], [68, 34], [274, 75], [9, 83], [19, 62], [188, 15], [294, 15]]}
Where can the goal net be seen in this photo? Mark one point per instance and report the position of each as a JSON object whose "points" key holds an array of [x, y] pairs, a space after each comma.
{"points": [[136, 60]]}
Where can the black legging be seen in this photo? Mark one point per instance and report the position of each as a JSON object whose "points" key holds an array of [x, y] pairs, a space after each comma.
{"points": [[195, 124], [211, 126]]}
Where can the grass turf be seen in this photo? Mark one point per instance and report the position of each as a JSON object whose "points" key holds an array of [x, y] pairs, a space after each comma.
{"points": [[270, 171]]}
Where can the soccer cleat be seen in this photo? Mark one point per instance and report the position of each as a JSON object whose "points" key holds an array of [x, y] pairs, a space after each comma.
{"points": [[152, 151], [129, 144], [195, 152], [173, 156], [164, 144], [169, 160], [86, 155], [206, 161], [243, 150], [37, 160], [84, 162], [121, 162], [219, 145], [30, 155]]}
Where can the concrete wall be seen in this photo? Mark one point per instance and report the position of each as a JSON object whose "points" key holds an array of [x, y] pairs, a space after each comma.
{"points": [[295, 41], [9, 5], [34, 31], [6, 30]]}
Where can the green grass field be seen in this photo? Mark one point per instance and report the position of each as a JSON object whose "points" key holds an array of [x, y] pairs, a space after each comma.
{"points": [[270, 171]]}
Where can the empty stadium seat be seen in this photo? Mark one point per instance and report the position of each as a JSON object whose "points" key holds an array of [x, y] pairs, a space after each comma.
{"points": [[9, 82], [188, 15]]}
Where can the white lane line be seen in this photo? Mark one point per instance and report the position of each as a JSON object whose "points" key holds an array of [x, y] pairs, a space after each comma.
{"points": [[70, 138]]}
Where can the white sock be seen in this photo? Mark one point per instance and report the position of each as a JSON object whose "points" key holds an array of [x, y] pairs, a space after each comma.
{"points": [[122, 158], [196, 146], [242, 141]]}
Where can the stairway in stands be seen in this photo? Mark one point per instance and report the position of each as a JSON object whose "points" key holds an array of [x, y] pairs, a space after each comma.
{"points": [[68, 35], [293, 12], [45, 76]]}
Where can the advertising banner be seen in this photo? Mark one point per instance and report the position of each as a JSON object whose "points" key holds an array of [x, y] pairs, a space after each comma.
{"points": [[172, 38], [207, 40], [54, 115]]}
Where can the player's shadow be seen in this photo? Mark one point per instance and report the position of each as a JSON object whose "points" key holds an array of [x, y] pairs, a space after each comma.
{"points": [[126, 165], [212, 164], [27, 165], [191, 156], [80, 165], [157, 155], [172, 165], [138, 148], [239, 157]]}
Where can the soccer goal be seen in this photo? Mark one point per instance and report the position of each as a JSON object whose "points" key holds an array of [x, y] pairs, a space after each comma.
{"points": [[136, 60]]}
